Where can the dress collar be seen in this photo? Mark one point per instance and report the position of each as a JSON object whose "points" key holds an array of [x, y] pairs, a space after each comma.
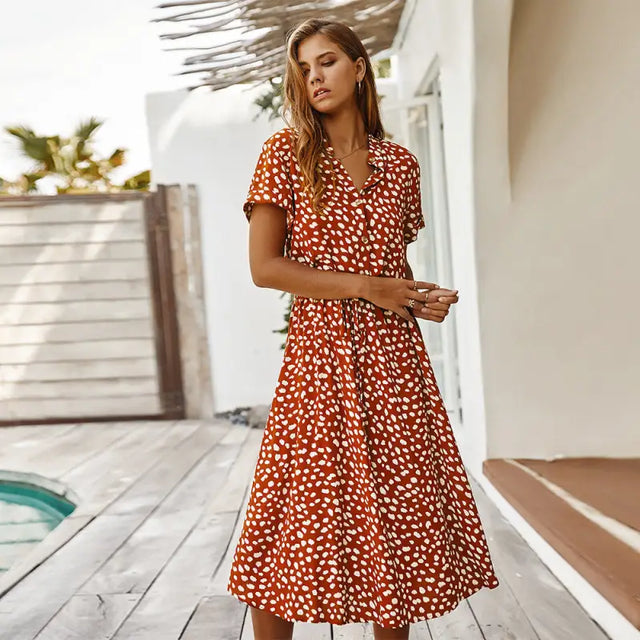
{"points": [[376, 158]]}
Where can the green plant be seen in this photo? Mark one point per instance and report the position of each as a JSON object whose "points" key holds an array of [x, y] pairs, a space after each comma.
{"points": [[71, 161], [270, 102]]}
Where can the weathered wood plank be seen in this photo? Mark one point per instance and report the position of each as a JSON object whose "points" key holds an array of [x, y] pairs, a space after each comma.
{"points": [[106, 476], [91, 271], [50, 213], [310, 630], [121, 464], [420, 631], [64, 532], [216, 617], [68, 450], [21, 436], [72, 331], [232, 492], [41, 371], [63, 407], [47, 234], [74, 291], [53, 312], [352, 631], [120, 387], [512, 624], [45, 254], [86, 350], [146, 493], [247, 625], [237, 486], [169, 603], [18, 454], [28, 607], [90, 616], [458, 624], [137, 563]]}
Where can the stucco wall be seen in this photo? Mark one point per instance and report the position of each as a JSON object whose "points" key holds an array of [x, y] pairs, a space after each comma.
{"points": [[558, 266], [210, 140]]}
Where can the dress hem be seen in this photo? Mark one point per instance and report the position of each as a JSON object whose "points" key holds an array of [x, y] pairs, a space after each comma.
{"points": [[323, 619]]}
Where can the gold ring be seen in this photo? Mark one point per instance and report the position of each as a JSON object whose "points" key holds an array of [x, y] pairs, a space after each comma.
{"points": [[412, 302]]}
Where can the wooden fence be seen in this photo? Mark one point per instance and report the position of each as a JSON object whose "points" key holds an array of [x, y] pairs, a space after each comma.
{"points": [[88, 320]]}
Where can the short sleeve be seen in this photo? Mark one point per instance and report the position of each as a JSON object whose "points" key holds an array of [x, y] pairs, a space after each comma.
{"points": [[271, 181], [413, 215]]}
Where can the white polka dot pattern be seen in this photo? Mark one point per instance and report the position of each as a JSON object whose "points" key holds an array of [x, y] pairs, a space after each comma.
{"points": [[360, 507]]}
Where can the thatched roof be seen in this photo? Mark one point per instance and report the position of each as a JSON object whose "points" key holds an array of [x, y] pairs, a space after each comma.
{"points": [[257, 58]]}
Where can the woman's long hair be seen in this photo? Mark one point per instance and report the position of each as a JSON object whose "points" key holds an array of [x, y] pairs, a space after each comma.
{"points": [[303, 118]]}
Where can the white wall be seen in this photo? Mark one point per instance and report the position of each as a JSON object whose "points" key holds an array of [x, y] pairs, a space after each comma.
{"points": [[559, 264], [209, 139]]}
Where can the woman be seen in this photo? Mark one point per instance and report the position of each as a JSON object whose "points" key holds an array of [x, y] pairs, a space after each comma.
{"points": [[360, 508]]}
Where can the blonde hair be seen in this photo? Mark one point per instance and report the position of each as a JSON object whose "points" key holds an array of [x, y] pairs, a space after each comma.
{"points": [[303, 118]]}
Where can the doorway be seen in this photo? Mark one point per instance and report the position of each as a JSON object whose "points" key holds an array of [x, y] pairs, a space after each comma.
{"points": [[422, 132]]}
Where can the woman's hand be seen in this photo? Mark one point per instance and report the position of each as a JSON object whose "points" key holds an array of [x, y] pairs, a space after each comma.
{"points": [[436, 307], [395, 294]]}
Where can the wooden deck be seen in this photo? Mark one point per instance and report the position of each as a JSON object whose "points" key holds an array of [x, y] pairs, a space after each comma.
{"points": [[146, 553]]}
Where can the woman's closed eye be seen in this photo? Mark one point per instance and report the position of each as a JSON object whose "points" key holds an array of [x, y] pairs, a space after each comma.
{"points": [[324, 64]]}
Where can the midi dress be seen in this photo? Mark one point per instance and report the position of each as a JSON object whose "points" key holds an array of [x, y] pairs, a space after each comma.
{"points": [[360, 508]]}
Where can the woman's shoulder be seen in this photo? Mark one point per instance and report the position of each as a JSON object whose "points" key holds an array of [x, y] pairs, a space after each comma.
{"points": [[399, 152], [281, 140]]}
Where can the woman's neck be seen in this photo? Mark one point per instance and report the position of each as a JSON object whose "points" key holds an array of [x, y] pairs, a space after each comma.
{"points": [[345, 131]]}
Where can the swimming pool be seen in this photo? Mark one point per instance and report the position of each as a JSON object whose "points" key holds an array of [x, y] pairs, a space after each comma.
{"points": [[27, 514]]}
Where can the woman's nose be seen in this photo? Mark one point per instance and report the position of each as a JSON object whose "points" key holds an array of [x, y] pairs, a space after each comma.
{"points": [[315, 78]]}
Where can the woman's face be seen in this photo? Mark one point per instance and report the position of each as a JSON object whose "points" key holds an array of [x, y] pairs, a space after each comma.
{"points": [[326, 66]]}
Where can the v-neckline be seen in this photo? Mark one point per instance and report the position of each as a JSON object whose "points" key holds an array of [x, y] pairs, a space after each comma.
{"points": [[331, 152]]}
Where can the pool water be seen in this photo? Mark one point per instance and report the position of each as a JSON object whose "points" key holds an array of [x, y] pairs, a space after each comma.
{"points": [[27, 514]]}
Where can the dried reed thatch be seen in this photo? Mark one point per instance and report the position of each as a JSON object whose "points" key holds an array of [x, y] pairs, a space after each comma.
{"points": [[261, 57]]}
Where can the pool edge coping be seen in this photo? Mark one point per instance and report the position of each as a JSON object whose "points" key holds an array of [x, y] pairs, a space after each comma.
{"points": [[55, 539]]}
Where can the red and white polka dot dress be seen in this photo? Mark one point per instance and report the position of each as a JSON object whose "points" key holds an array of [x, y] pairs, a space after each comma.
{"points": [[360, 507]]}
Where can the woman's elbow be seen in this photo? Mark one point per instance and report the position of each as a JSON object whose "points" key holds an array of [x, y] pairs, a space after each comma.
{"points": [[261, 273]]}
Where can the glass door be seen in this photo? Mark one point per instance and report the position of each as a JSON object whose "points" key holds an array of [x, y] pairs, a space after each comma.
{"points": [[421, 131]]}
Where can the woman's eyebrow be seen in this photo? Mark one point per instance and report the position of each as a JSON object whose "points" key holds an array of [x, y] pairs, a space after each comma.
{"points": [[326, 53]]}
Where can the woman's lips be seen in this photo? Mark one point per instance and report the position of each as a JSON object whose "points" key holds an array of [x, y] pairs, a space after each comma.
{"points": [[324, 93]]}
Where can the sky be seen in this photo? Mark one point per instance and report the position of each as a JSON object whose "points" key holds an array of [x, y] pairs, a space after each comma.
{"points": [[66, 60]]}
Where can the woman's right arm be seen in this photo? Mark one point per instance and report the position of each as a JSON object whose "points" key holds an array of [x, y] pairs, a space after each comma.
{"points": [[272, 269]]}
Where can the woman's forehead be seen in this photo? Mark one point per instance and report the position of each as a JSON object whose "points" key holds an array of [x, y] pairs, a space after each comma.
{"points": [[315, 47]]}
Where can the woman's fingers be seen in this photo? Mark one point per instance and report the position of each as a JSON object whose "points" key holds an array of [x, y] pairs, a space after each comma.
{"points": [[436, 311], [421, 284], [404, 313], [435, 315], [434, 305]]}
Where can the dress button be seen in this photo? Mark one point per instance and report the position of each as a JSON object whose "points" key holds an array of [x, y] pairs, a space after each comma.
{"points": [[365, 238], [357, 202]]}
